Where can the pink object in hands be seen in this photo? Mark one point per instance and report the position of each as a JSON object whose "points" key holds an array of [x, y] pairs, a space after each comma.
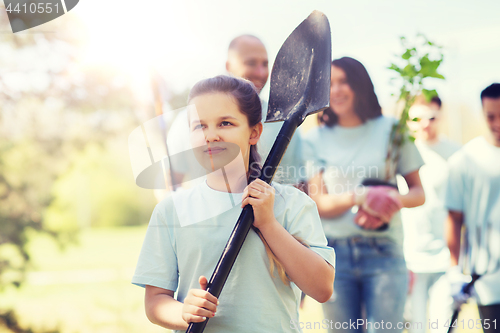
{"points": [[367, 221], [382, 202]]}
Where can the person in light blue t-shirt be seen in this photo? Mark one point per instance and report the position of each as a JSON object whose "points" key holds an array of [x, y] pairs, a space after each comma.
{"points": [[286, 251], [350, 145], [473, 201]]}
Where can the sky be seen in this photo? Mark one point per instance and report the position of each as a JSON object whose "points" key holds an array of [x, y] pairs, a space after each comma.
{"points": [[187, 41]]}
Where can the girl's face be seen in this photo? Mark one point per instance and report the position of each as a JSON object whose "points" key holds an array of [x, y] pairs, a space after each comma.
{"points": [[341, 94], [220, 131]]}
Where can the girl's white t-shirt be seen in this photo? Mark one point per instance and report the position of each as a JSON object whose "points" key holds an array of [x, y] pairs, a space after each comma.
{"points": [[174, 255]]}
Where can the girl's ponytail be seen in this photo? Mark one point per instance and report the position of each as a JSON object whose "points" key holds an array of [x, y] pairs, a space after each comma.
{"points": [[273, 260], [254, 164]]}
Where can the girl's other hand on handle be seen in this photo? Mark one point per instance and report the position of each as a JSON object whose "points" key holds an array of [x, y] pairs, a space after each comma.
{"points": [[199, 304]]}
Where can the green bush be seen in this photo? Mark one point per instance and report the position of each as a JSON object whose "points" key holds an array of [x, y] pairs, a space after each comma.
{"points": [[98, 191]]}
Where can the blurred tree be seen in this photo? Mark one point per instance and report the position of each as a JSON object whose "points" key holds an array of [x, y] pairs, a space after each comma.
{"points": [[106, 195], [55, 118], [418, 62]]}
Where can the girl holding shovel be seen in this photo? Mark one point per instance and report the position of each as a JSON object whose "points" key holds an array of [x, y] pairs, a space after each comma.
{"points": [[262, 291], [350, 145]]}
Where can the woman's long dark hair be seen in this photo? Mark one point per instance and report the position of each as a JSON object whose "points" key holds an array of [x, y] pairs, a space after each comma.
{"points": [[366, 104], [248, 101]]}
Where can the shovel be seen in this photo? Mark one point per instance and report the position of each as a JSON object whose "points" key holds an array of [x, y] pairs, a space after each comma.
{"points": [[300, 86], [466, 290]]}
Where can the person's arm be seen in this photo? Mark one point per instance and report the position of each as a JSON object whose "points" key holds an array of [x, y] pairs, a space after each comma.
{"points": [[329, 205], [453, 229], [415, 196], [384, 201], [163, 310], [307, 269]]}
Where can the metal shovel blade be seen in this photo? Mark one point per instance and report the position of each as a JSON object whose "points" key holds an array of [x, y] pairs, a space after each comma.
{"points": [[300, 79]]}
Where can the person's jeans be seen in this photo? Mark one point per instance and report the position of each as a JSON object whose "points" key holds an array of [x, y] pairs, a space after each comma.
{"points": [[371, 283], [490, 314], [419, 297]]}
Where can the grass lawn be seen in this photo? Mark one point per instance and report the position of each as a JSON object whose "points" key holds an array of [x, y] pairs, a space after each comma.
{"points": [[87, 289]]}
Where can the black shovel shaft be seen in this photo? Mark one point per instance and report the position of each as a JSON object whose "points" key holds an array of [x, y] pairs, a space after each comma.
{"points": [[466, 290], [278, 150], [245, 220], [226, 261], [453, 318]]}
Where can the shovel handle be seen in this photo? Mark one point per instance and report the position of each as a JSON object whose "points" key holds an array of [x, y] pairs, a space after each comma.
{"points": [[275, 155], [226, 261], [466, 290], [454, 317]]}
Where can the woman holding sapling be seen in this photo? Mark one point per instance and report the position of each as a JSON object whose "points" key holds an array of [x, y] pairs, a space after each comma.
{"points": [[362, 223], [287, 249]]}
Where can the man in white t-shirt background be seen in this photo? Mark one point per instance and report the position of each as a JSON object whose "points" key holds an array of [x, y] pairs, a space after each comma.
{"points": [[473, 202], [426, 253], [429, 134]]}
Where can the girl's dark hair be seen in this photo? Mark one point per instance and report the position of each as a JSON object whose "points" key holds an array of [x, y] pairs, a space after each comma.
{"points": [[248, 101], [366, 103]]}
